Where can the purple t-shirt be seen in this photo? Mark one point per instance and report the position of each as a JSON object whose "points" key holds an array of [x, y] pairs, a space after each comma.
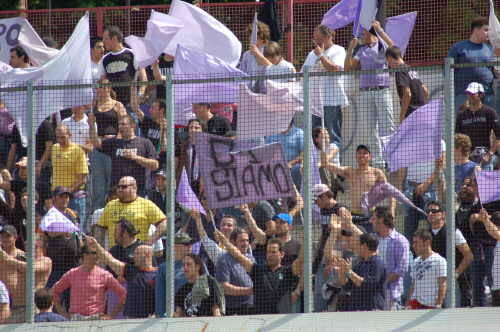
{"points": [[372, 57]]}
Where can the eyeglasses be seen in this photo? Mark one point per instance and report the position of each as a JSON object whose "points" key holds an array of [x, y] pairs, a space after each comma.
{"points": [[429, 211], [123, 186]]}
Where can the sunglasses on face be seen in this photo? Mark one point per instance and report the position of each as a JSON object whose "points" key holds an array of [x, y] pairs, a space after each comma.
{"points": [[433, 211], [123, 186]]}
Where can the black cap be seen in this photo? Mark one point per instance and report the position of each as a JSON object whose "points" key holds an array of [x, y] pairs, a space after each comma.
{"points": [[161, 173], [59, 190], [128, 226], [363, 147]]}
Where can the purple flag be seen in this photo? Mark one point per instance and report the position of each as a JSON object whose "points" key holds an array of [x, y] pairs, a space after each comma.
{"points": [[340, 15], [400, 28], [365, 14], [239, 177], [381, 191], [417, 139], [186, 196], [488, 183], [192, 64]]}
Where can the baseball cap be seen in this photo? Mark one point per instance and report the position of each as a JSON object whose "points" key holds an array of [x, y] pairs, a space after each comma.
{"points": [[474, 88], [363, 147], [59, 190], [319, 189], [285, 217], [161, 173], [183, 238], [128, 226], [9, 229]]}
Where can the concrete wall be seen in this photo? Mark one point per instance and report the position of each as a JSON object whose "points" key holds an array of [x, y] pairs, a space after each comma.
{"points": [[483, 320]]}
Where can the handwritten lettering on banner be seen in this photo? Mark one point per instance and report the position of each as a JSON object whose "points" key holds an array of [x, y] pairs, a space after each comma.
{"points": [[9, 31], [237, 177]]}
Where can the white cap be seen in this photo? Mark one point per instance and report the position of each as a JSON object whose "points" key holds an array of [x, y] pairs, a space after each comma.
{"points": [[474, 88], [319, 189]]}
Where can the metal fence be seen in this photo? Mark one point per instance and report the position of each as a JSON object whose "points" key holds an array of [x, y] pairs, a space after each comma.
{"points": [[245, 181], [438, 25]]}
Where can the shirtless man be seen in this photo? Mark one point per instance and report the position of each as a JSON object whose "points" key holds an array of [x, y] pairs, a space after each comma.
{"points": [[361, 179], [13, 274]]}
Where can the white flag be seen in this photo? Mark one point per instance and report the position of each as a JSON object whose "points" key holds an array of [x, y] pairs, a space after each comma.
{"points": [[56, 218], [203, 33], [34, 46], [494, 27], [71, 66], [161, 29], [267, 114]]}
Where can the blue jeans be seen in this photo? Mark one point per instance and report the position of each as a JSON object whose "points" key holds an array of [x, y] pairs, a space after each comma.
{"points": [[480, 270], [100, 178], [412, 216], [78, 204], [333, 123]]}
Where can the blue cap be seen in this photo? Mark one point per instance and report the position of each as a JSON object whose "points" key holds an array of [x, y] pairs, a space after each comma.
{"points": [[285, 217]]}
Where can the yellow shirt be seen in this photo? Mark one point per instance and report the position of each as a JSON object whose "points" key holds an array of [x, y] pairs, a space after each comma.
{"points": [[141, 212], [67, 164]]}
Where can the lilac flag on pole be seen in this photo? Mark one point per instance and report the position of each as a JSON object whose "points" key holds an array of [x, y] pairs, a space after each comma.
{"points": [[253, 36], [417, 139], [365, 14], [55, 221], [400, 28], [186, 196], [340, 15], [192, 64], [381, 191], [488, 183], [494, 27]]}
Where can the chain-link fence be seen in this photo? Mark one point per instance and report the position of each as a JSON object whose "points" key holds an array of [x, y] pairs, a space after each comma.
{"points": [[438, 24], [280, 192]]}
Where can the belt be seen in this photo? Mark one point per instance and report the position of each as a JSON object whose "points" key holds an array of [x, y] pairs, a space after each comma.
{"points": [[374, 88]]}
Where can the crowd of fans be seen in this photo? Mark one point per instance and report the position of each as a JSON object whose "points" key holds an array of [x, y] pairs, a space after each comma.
{"points": [[101, 166]]}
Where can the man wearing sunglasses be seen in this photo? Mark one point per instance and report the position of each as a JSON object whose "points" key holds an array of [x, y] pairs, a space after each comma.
{"points": [[139, 211], [437, 218]]}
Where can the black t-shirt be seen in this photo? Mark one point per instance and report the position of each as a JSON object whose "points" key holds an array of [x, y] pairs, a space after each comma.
{"points": [[410, 79], [122, 166], [218, 125], [150, 130], [64, 252], [44, 133], [478, 125], [140, 302], [119, 67], [124, 254], [184, 300], [270, 286]]}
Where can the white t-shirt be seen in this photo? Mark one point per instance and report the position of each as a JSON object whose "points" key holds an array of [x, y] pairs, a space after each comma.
{"points": [[459, 237], [283, 67], [333, 86], [495, 269], [4, 294], [94, 66], [420, 172], [425, 274], [80, 133]]}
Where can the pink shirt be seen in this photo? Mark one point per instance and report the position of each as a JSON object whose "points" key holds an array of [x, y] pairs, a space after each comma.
{"points": [[88, 289]]}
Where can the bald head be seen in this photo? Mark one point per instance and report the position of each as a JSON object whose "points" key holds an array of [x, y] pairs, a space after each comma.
{"points": [[127, 189], [143, 256]]}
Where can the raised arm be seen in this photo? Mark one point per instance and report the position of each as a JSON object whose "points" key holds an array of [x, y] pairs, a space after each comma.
{"points": [[344, 171], [96, 141], [233, 251], [350, 63], [258, 233], [212, 249], [105, 257], [332, 238], [261, 59], [385, 37], [491, 228]]}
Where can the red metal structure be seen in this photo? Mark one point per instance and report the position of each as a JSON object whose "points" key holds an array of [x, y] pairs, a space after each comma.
{"points": [[439, 23]]}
